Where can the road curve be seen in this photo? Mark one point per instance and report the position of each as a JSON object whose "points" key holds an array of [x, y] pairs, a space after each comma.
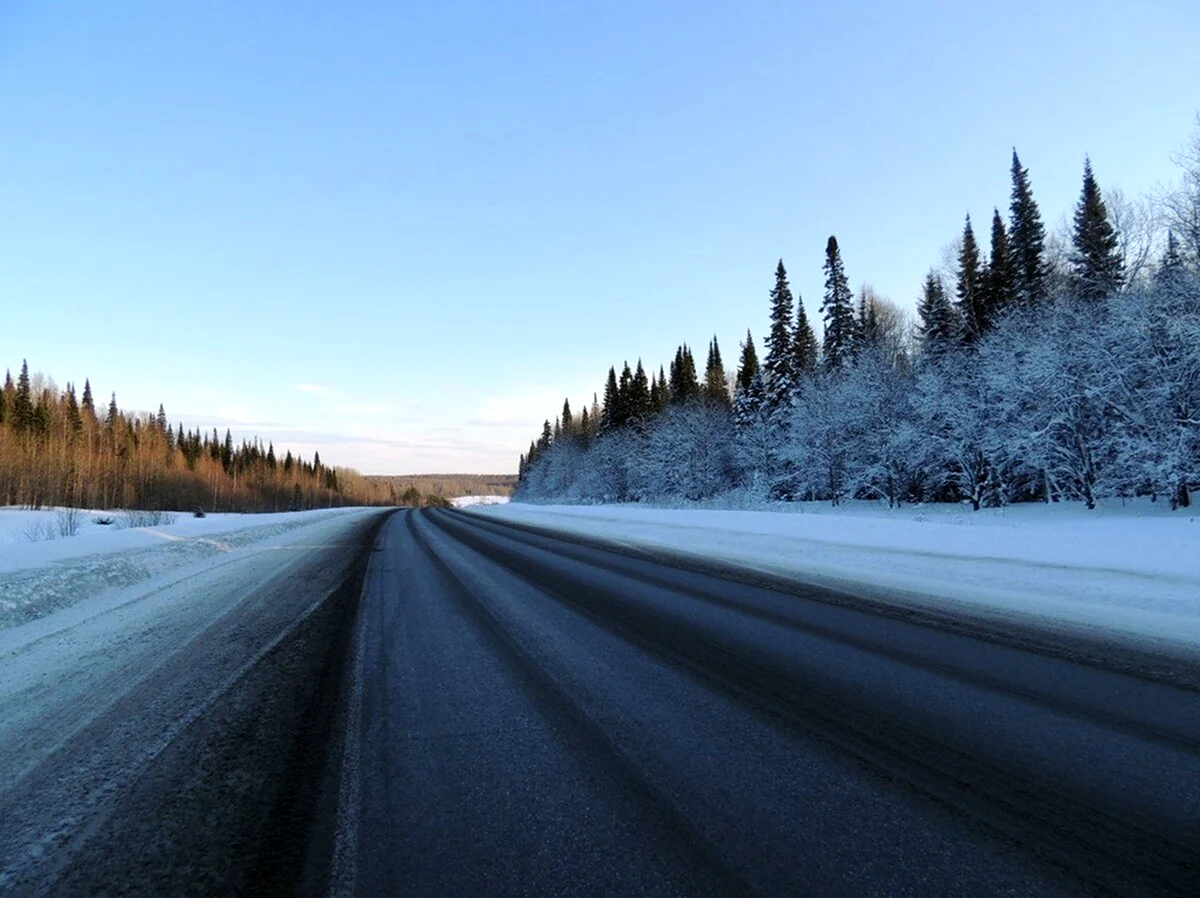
{"points": [[530, 715]]}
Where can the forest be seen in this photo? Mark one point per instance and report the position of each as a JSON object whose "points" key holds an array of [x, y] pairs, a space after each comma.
{"points": [[58, 449], [1041, 367]]}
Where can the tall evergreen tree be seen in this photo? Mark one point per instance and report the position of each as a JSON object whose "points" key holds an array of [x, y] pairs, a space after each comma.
{"points": [[568, 420], [716, 389], [867, 329], [1171, 268], [805, 349], [685, 384], [1027, 239], [641, 409], [610, 412], [74, 418], [23, 404], [748, 364], [837, 308], [1098, 270], [969, 287], [777, 367], [624, 396], [939, 321], [113, 413], [999, 285]]}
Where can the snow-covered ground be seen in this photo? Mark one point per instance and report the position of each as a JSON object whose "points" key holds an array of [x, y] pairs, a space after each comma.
{"points": [[469, 501], [42, 571], [1130, 569]]}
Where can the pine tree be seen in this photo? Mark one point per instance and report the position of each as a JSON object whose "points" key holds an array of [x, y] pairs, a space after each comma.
{"points": [[777, 368], [716, 389], [1027, 239], [624, 396], [568, 420], [641, 409], [998, 287], [87, 403], [837, 308], [1098, 270], [664, 391], [939, 322], [74, 419], [585, 427], [23, 404], [547, 437], [968, 289], [610, 413], [113, 413], [685, 384], [747, 365], [805, 349], [1172, 270], [868, 333]]}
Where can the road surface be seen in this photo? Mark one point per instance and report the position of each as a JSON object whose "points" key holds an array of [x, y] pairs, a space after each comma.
{"points": [[438, 704]]}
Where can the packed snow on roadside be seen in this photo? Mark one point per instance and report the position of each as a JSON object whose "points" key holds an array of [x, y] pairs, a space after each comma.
{"points": [[469, 501], [42, 569], [1133, 569]]}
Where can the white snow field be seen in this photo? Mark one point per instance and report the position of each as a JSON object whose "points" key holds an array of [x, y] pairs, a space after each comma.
{"points": [[42, 571], [1129, 571], [469, 501]]}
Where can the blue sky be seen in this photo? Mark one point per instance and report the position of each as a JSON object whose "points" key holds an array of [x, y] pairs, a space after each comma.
{"points": [[400, 233]]}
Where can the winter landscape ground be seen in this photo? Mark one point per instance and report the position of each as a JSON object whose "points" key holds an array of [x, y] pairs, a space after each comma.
{"points": [[1129, 569]]}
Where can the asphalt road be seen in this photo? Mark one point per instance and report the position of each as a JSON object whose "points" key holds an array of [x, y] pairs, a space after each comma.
{"points": [[534, 716], [432, 703]]}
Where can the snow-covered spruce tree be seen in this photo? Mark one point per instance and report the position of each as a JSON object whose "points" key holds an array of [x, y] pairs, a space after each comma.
{"points": [[640, 407], [1097, 267], [684, 384], [998, 280], [806, 351], [969, 288], [939, 322], [777, 368], [1027, 239], [716, 388], [837, 309]]}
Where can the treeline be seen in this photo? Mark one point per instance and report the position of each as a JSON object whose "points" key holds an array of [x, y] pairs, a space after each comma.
{"points": [[56, 448], [1061, 367], [421, 489]]}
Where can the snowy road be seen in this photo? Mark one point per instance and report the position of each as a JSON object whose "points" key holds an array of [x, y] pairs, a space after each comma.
{"points": [[171, 741], [477, 708], [536, 716]]}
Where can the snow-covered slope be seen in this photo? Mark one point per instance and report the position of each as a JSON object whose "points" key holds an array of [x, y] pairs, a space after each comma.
{"points": [[1133, 569], [40, 575]]}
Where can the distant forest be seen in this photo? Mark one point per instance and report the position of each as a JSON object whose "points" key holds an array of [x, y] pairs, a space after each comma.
{"points": [[57, 448], [434, 489], [1043, 366]]}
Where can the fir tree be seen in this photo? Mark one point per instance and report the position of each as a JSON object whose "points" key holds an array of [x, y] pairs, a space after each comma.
{"points": [[968, 289], [868, 333], [1171, 270], [939, 322], [87, 403], [747, 365], [716, 390], [624, 396], [837, 309], [74, 418], [585, 427], [777, 368], [999, 287], [1027, 239], [664, 391], [641, 409], [610, 411], [568, 420], [1098, 270], [685, 384], [547, 437], [805, 349], [23, 404], [113, 413]]}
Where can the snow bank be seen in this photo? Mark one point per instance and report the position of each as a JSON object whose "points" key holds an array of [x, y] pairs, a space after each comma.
{"points": [[469, 501], [42, 575], [1132, 569]]}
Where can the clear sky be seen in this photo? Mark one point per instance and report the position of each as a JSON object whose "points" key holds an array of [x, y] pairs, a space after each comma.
{"points": [[401, 232]]}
